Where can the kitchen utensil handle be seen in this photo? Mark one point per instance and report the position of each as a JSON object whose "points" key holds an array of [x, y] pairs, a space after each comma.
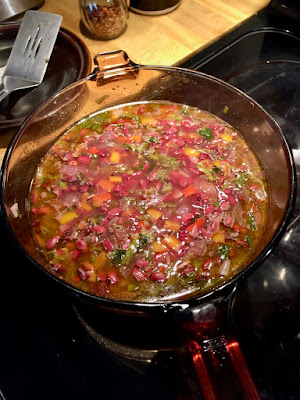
{"points": [[222, 369]]}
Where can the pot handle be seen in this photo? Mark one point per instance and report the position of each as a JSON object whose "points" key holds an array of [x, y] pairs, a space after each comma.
{"points": [[221, 368]]}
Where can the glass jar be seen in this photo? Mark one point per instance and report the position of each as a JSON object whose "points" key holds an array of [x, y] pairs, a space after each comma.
{"points": [[104, 19]]}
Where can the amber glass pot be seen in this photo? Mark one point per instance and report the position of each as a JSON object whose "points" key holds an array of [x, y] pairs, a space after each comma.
{"points": [[202, 318]]}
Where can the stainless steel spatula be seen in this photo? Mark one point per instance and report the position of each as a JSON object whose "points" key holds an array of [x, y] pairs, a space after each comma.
{"points": [[29, 57]]}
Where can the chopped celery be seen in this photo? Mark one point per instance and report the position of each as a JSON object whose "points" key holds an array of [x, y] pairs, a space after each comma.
{"points": [[252, 222], [241, 180]]}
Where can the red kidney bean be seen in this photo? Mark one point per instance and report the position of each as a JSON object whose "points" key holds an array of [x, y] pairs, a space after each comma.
{"points": [[75, 254], [171, 122], [171, 131], [207, 264], [190, 141], [224, 206], [142, 263], [228, 221], [190, 180], [104, 209], [107, 246], [34, 197], [146, 166], [195, 171], [81, 245], [143, 184], [181, 141], [83, 188], [57, 268], [112, 277], [214, 226], [185, 219], [139, 274], [125, 129], [102, 153], [84, 159], [158, 276], [187, 270], [99, 229], [70, 157], [101, 276], [89, 227], [74, 188], [182, 251], [82, 273], [203, 156], [182, 182], [231, 199], [198, 140], [90, 183], [52, 242], [209, 209], [186, 125], [114, 212]]}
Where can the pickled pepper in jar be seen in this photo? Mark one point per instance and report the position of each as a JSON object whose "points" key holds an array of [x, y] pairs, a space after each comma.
{"points": [[104, 19]]}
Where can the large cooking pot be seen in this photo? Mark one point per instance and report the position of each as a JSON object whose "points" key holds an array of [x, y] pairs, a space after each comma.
{"points": [[201, 317]]}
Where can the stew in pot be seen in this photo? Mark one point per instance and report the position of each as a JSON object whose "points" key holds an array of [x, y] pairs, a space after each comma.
{"points": [[148, 201]]}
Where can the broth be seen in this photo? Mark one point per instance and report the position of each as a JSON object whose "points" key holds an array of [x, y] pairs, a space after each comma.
{"points": [[148, 201]]}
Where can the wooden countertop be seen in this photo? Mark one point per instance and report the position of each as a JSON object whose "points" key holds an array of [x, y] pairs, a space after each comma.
{"points": [[161, 40], [167, 39]]}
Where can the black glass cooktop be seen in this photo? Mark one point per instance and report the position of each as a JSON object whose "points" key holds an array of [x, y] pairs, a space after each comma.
{"points": [[49, 349]]}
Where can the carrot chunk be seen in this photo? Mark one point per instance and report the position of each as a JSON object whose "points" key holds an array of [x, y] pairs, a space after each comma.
{"points": [[68, 217], [189, 191], [197, 224], [158, 247], [115, 157], [155, 214], [218, 237], [172, 225], [100, 199], [172, 242], [188, 151], [93, 150], [106, 185]]}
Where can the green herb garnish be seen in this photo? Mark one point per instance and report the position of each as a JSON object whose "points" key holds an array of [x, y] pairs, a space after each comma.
{"points": [[248, 240], [207, 133], [117, 255], [63, 185], [241, 180], [223, 251]]}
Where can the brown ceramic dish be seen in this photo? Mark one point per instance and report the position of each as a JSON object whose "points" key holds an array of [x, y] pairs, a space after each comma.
{"points": [[69, 62]]}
